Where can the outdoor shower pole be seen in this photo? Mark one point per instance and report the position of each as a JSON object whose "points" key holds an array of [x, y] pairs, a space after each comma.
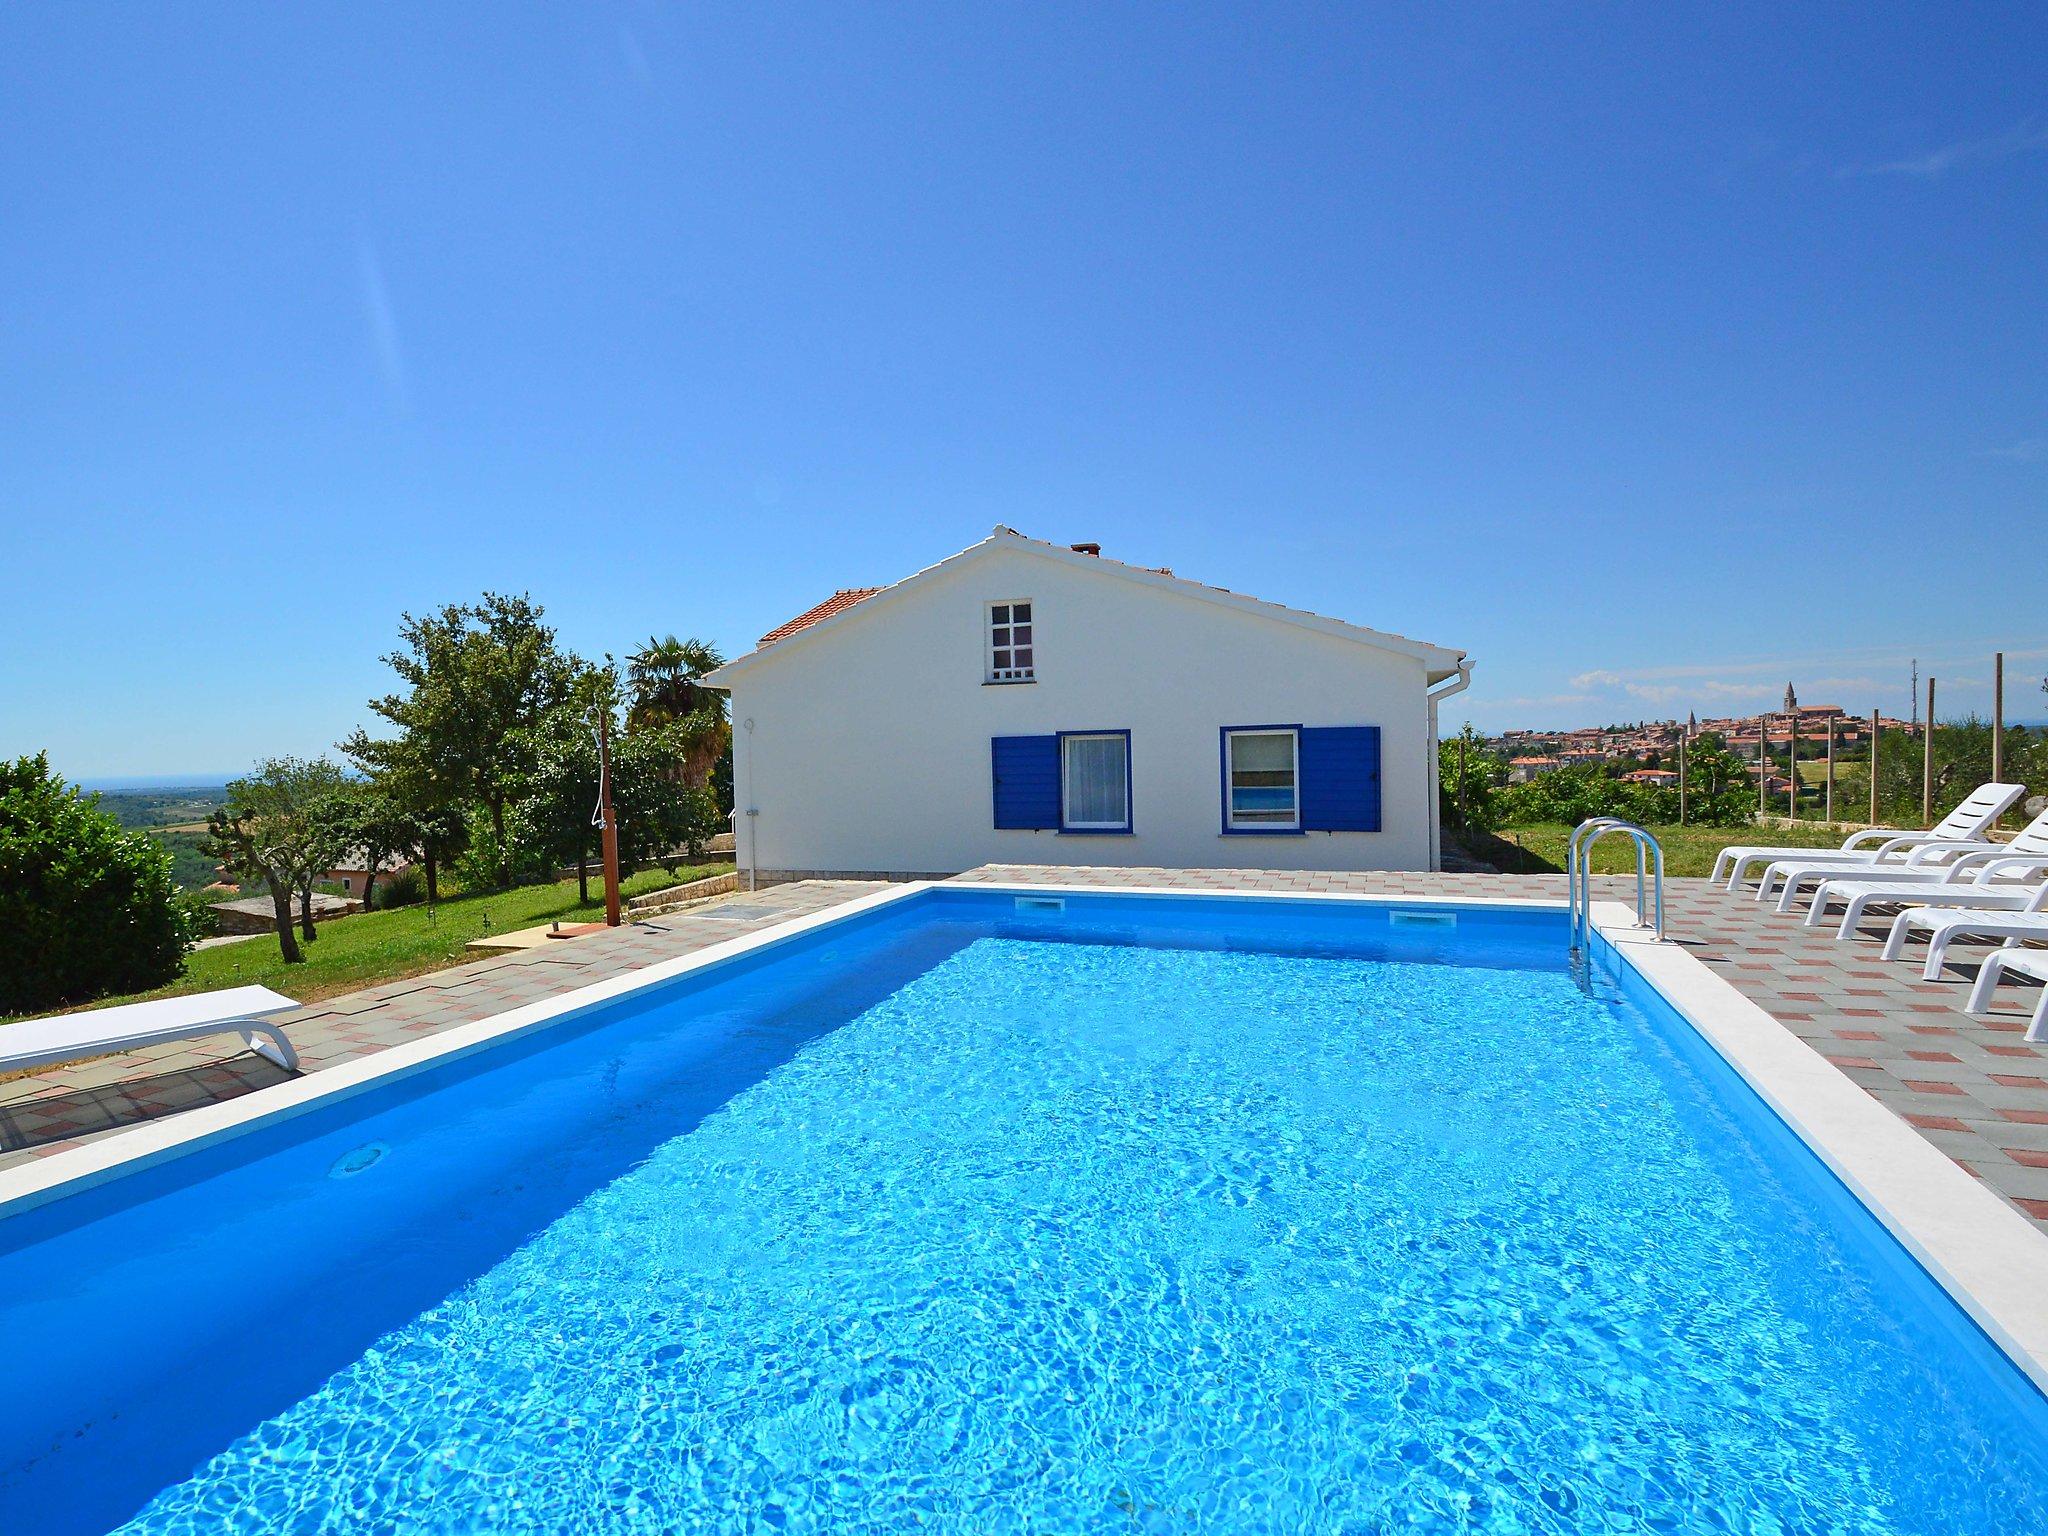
{"points": [[1927, 759], [608, 818]]}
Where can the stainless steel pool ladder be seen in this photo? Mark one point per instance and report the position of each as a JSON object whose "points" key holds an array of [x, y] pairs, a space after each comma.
{"points": [[1579, 871]]}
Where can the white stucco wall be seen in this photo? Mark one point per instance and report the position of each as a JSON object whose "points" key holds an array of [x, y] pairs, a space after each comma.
{"points": [[865, 747]]}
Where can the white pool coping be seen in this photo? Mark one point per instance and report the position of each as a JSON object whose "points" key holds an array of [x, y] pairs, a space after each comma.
{"points": [[1990, 1259]]}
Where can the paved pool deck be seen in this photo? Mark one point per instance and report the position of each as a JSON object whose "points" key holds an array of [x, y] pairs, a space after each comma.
{"points": [[1971, 1087], [66, 1106]]}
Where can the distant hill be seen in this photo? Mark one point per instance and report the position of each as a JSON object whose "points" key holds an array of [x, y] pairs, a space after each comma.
{"points": [[178, 806]]}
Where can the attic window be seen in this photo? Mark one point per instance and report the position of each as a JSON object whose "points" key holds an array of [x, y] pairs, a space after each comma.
{"points": [[1010, 648]]}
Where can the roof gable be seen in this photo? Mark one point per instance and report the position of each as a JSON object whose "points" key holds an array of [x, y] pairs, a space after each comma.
{"points": [[809, 627]]}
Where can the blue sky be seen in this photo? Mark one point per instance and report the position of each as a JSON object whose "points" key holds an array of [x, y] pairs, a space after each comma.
{"points": [[1654, 355]]}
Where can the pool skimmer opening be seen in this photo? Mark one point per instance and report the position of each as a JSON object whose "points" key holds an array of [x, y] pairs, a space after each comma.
{"points": [[1422, 919]]}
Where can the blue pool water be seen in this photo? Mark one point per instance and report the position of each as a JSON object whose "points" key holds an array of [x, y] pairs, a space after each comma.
{"points": [[1134, 1216]]}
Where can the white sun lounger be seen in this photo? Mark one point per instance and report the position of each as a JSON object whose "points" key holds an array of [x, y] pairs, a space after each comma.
{"points": [[1966, 823], [72, 1036], [1944, 928], [1995, 876], [1929, 864], [2014, 962], [1936, 852], [1987, 888]]}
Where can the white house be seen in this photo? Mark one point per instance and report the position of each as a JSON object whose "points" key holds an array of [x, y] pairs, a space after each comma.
{"points": [[1029, 703]]}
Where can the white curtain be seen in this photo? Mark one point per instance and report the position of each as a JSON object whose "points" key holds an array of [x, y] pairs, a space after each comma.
{"points": [[1095, 781]]}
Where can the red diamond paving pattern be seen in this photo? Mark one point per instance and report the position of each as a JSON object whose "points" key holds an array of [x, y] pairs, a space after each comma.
{"points": [[1972, 1087]]}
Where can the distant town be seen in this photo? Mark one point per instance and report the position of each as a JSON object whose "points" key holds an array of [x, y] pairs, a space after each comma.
{"points": [[1655, 743]]}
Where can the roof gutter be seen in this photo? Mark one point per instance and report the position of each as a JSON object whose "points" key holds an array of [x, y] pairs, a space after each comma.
{"points": [[1436, 696]]}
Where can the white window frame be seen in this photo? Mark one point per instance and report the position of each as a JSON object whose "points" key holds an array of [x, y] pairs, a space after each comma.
{"points": [[991, 673], [1123, 739], [1230, 818]]}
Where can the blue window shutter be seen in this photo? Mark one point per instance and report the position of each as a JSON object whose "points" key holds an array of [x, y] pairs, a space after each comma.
{"points": [[1026, 772], [1340, 778]]}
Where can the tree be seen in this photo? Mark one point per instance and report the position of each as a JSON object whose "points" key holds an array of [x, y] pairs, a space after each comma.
{"points": [[555, 816], [480, 677], [362, 816], [552, 817], [659, 818], [86, 909], [665, 677], [429, 802], [275, 828], [1467, 774]]}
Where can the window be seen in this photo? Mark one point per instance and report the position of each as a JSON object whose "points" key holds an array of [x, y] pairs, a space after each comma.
{"points": [[1261, 783], [1095, 782], [1010, 649]]}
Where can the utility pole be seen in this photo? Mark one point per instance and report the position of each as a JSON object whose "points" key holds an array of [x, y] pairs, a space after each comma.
{"points": [[1998, 719], [1927, 760], [1828, 812], [1792, 771], [1874, 717], [1681, 778], [1763, 760], [607, 818]]}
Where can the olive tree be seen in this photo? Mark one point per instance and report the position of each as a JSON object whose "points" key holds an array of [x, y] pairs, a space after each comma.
{"points": [[276, 827]]}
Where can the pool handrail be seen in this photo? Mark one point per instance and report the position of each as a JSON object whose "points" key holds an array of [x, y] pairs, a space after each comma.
{"points": [[1573, 865], [1579, 874]]}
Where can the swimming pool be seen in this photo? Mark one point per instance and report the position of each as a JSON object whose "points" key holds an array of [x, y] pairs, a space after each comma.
{"points": [[976, 1212]]}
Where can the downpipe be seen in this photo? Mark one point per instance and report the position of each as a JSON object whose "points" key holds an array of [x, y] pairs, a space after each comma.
{"points": [[752, 812], [1436, 814]]}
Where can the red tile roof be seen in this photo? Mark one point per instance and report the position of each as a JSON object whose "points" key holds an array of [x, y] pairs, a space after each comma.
{"points": [[838, 602]]}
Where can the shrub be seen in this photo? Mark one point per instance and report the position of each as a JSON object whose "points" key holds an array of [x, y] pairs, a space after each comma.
{"points": [[85, 909], [201, 921], [1571, 795], [484, 863], [406, 889]]}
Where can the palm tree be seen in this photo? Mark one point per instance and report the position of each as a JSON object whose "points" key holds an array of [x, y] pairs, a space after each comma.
{"points": [[664, 677]]}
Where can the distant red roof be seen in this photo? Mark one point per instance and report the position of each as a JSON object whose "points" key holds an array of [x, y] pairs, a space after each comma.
{"points": [[838, 602]]}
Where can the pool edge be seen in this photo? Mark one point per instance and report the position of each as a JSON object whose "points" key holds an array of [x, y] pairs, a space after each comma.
{"points": [[113, 1157], [1989, 1259]]}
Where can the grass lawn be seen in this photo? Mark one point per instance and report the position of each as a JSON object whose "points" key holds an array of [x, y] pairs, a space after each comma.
{"points": [[1687, 850], [370, 947]]}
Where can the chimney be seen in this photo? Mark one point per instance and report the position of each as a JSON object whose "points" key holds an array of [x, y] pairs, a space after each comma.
{"points": [[1087, 549]]}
